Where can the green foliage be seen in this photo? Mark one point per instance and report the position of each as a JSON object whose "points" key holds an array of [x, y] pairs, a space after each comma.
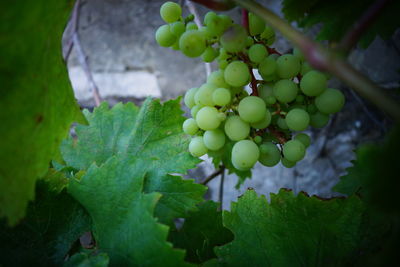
{"points": [[54, 222], [86, 260], [291, 230], [201, 233], [153, 137], [36, 99], [337, 16]]}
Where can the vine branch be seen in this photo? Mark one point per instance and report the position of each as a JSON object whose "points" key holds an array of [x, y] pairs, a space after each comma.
{"points": [[213, 175], [358, 29], [218, 5], [221, 189], [327, 60]]}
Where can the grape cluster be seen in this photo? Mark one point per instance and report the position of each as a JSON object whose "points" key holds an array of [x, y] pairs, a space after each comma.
{"points": [[290, 96]]}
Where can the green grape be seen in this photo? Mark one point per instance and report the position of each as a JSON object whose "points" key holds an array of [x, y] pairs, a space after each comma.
{"points": [[175, 46], [257, 139], [222, 64], [245, 154], [262, 124], [214, 23], [203, 96], [287, 163], [274, 56], [170, 12], [294, 150], [226, 20], [264, 91], [249, 41], [311, 108], [287, 66], [300, 99], [305, 67], [237, 73], [164, 36], [236, 129], [319, 120], [313, 83], [178, 28], [217, 78], [190, 126], [209, 54], [297, 53], [223, 54], [256, 24], [268, 35], [270, 100], [304, 139], [281, 122], [189, 97], [221, 97], [209, 17], [192, 43], [234, 39], [207, 118], [191, 26], [267, 67], [214, 140], [236, 90], [297, 119], [252, 109], [270, 154], [330, 101], [285, 91], [297, 106], [257, 53], [197, 147], [194, 110], [189, 18]]}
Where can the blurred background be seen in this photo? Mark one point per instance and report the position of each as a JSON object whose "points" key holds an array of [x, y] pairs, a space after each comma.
{"points": [[117, 39]]}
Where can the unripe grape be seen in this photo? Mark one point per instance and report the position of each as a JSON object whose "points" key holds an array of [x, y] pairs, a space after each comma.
{"points": [[311, 108], [217, 78], [190, 126], [270, 100], [197, 147], [281, 122], [257, 53], [297, 53], [214, 23], [177, 28], [236, 129], [319, 120], [264, 123], [234, 39], [285, 91], [270, 155], [304, 139], [226, 20], [330, 101], [265, 90], [194, 110], [222, 64], [214, 140], [287, 163], [267, 67], [164, 36], [252, 109], [245, 154], [170, 12], [256, 24], [313, 83], [207, 118], [191, 26], [221, 97], [297, 119], [288, 66], [300, 99], [203, 96], [257, 139], [189, 97], [305, 68], [237, 73], [268, 35], [294, 150], [209, 54], [192, 43], [249, 41]]}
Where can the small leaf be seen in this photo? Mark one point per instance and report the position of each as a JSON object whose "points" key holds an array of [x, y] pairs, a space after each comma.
{"points": [[86, 260]]}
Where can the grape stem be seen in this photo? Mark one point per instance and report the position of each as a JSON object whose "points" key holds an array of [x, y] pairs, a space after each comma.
{"points": [[213, 175], [218, 5], [327, 60], [253, 82]]}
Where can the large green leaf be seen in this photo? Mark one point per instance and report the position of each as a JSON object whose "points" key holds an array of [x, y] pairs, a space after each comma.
{"points": [[54, 222], [201, 232], [87, 260], [153, 137], [338, 16], [36, 99], [124, 225], [291, 230]]}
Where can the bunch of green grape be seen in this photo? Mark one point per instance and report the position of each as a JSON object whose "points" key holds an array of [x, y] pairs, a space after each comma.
{"points": [[265, 125]]}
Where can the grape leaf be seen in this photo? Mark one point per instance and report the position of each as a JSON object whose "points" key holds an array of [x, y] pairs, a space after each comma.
{"points": [[337, 16], [36, 99], [123, 222], [87, 260], [201, 232], [291, 230], [153, 136], [54, 222]]}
